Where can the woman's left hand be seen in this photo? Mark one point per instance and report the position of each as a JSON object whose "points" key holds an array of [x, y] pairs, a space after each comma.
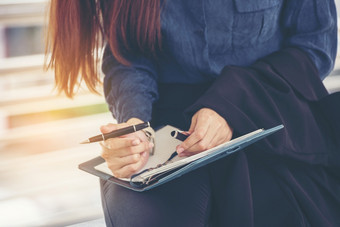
{"points": [[208, 129]]}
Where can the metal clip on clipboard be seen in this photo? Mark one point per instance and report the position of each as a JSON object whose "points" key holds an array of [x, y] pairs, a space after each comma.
{"points": [[134, 181]]}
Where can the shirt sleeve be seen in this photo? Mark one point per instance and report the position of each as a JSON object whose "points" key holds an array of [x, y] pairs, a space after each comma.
{"points": [[129, 90], [311, 25]]}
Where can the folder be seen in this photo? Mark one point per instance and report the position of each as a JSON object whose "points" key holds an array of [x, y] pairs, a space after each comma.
{"points": [[158, 170]]}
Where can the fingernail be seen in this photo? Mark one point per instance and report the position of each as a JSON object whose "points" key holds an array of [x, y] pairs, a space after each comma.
{"points": [[135, 142], [180, 150], [181, 155], [151, 145]]}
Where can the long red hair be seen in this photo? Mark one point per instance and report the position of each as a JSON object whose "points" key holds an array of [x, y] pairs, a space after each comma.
{"points": [[78, 29]]}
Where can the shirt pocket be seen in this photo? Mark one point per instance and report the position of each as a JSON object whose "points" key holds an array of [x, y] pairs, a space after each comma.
{"points": [[255, 21]]}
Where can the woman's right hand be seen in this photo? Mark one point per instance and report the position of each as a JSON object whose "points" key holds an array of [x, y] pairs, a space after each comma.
{"points": [[127, 154]]}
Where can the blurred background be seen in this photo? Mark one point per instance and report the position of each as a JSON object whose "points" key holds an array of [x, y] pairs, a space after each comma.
{"points": [[40, 131]]}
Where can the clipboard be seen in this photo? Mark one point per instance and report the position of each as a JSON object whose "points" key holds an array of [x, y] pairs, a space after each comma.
{"points": [[211, 155]]}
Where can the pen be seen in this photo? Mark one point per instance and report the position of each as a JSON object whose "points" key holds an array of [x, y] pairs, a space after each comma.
{"points": [[117, 133], [177, 135]]}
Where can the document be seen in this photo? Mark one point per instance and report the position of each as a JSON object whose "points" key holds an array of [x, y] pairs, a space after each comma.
{"points": [[158, 170]]}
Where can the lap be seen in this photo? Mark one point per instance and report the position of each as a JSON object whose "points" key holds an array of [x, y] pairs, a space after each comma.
{"points": [[250, 188], [185, 201]]}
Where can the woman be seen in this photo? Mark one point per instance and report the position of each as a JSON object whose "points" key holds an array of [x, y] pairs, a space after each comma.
{"points": [[217, 69]]}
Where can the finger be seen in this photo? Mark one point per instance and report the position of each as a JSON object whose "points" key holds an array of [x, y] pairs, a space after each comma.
{"points": [[205, 143], [128, 170], [138, 135], [197, 135], [135, 149], [118, 143], [115, 163], [217, 140], [225, 135], [229, 135]]}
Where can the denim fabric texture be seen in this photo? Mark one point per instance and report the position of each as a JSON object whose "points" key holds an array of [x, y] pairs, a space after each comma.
{"points": [[200, 37]]}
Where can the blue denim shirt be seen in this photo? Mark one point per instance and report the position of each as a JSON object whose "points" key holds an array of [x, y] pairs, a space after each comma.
{"points": [[200, 37]]}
